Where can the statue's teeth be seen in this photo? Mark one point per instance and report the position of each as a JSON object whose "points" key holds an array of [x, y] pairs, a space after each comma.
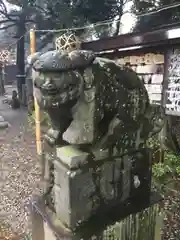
{"points": [[55, 104]]}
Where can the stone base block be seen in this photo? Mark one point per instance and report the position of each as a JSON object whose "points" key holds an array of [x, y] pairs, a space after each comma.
{"points": [[83, 186], [3, 124]]}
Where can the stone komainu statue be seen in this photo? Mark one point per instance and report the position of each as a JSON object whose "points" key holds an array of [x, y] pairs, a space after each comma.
{"points": [[93, 100], [99, 112], [14, 102]]}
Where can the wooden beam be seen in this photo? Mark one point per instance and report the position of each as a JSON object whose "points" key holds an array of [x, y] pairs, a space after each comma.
{"points": [[155, 38]]}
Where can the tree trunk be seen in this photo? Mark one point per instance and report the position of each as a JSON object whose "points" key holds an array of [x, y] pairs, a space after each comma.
{"points": [[20, 59], [116, 33]]}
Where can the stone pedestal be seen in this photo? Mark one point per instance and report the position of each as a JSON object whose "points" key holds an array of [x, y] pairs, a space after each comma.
{"points": [[73, 186], [3, 123], [84, 186]]}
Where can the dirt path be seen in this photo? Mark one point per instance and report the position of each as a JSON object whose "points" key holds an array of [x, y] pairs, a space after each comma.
{"points": [[20, 173]]}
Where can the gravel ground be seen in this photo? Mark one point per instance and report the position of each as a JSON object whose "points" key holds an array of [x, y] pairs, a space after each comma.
{"points": [[171, 220], [21, 170], [171, 229]]}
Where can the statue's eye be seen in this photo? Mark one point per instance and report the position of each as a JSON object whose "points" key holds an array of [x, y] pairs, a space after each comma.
{"points": [[35, 84]]}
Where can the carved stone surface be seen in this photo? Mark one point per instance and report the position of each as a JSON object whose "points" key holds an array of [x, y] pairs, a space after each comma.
{"points": [[82, 188], [91, 100], [100, 120], [3, 123]]}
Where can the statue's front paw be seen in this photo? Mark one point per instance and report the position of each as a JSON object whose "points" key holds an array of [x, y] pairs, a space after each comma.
{"points": [[52, 137], [50, 140]]}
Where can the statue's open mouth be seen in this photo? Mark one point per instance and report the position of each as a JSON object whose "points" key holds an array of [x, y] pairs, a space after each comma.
{"points": [[50, 92], [61, 96], [55, 93]]}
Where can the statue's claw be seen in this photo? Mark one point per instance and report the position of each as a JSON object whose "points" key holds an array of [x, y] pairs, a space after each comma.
{"points": [[52, 136]]}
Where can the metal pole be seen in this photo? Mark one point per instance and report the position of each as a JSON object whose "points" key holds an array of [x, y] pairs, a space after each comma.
{"points": [[37, 109]]}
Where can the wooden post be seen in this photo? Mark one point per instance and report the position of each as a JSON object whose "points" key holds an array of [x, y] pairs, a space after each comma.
{"points": [[1, 81], [37, 109]]}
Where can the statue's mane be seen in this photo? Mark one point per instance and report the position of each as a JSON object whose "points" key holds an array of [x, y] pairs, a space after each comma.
{"points": [[59, 61]]}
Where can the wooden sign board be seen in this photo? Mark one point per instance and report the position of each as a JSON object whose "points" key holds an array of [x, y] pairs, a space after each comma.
{"points": [[173, 99], [150, 69], [155, 97], [173, 89], [147, 59], [157, 79], [154, 89]]}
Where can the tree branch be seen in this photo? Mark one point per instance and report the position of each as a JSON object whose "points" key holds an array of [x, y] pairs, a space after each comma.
{"points": [[41, 9], [30, 21], [5, 21], [3, 6], [6, 27], [7, 15], [35, 8], [126, 1]]}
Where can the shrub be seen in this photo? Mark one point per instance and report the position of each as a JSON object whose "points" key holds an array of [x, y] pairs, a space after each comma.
{"points": [[169, 168]]}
